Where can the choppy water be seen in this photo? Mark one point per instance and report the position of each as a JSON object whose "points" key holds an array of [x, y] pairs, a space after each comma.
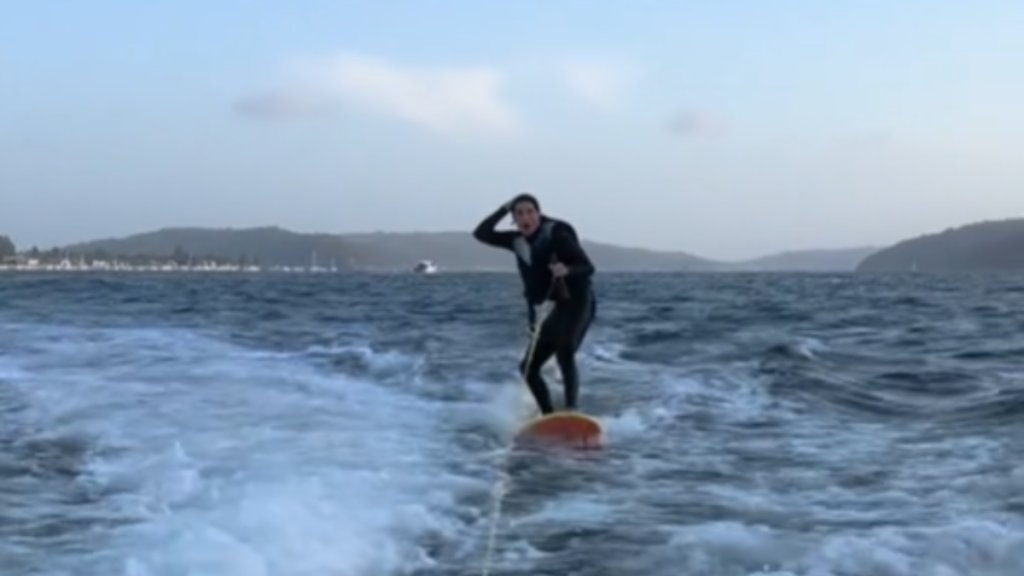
{"points": [[351, 426]]}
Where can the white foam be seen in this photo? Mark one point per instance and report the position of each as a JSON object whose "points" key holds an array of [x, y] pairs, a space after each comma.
{"points": [[979, 547], [233, 463]]}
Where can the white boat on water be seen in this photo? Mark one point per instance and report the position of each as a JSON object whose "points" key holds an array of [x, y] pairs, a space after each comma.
{"points": [[425, 267]]}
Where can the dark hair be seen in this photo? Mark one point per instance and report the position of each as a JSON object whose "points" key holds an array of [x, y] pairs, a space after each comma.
{"points": [[524, 197]]}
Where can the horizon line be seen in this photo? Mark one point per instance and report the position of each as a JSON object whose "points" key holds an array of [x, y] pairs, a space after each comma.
{"points": [[468, 233]]}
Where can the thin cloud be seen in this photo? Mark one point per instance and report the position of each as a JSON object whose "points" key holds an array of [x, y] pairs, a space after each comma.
{"points": [[866, 141], [444, 100], [600, 83], [697, 123], [282, 105]]}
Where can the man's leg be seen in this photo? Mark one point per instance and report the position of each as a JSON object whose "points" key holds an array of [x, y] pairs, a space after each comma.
{"points": [[574, 327], [531, 364]]}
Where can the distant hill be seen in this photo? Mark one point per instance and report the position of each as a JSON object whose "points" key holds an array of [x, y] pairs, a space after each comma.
{"points": [[269, 245], [840, 260], [459, 251], [373, 251], [978, 247]]}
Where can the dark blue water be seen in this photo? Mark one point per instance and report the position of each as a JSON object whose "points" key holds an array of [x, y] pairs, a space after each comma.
{"points": [[175, 425]]}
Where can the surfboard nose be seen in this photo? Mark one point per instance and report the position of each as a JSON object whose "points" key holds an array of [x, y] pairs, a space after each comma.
{"points": [[570, 429]]}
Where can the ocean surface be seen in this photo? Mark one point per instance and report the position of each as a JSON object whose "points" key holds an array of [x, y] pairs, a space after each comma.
{"points": [[333, 425]]}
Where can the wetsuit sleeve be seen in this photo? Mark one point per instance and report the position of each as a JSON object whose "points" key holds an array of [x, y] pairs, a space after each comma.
{"points": [[486, 234], [570, 253]]}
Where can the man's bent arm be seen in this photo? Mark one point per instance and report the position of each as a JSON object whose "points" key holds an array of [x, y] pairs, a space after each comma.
{"points": [[486, 234], [572, 254]]}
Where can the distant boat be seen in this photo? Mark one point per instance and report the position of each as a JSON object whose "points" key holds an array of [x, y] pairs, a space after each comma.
{"points": [[425, 267]]}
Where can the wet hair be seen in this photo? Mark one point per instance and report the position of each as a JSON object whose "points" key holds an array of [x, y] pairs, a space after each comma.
{"points": [[524, 197]]}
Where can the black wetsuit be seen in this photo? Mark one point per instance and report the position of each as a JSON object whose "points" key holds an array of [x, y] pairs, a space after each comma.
{"points": [[565, 327]]}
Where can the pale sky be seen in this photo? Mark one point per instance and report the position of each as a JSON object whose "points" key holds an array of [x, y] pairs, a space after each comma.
{"points": [[727, 129]]}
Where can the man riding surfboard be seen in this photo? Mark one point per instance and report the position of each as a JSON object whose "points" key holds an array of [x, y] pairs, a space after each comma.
{"points": [[553, 267]]}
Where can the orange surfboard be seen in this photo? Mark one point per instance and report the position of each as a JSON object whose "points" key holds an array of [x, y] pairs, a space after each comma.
{"points": [[568, 429]]}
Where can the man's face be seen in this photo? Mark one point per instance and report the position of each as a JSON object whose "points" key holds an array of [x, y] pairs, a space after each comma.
{"points": [[526, 217]]}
